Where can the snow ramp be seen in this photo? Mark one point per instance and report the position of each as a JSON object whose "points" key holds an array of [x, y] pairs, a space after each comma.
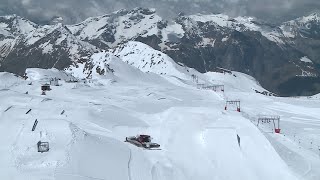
{"points": [[95, 158], [224, 152]]}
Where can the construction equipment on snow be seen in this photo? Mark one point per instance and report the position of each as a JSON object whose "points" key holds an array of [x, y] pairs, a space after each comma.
{"points": [[143, 141]]}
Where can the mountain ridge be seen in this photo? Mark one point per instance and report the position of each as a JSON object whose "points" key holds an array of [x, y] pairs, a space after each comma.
{"points": [[274, 55]]}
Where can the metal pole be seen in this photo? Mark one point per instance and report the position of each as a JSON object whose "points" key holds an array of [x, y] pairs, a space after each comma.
{"points": [[274, 125]]}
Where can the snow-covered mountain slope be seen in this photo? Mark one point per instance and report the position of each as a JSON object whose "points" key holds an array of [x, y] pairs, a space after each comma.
{"points": [[54, 38], [16, 26], [240, 24], [301, 26], [132, 60], [147, 59], [86, 127], [236, 81], [202, 42], [13, 28], [47, 47], [124, 25], [106, 68]]}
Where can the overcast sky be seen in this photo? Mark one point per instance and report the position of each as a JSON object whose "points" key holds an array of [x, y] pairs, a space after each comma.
{"points": [[73, 11]]}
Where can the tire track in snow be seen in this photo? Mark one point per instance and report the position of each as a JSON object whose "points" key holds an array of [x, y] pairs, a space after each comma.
{"points": [[129, 162], [8, 108], [81, 176]]}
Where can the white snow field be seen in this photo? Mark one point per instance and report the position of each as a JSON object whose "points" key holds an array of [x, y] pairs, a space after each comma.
{"points": [[86, 123]]}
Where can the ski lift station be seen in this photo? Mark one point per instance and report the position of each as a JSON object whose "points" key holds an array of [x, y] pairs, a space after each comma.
{"points": [[45, 87]]}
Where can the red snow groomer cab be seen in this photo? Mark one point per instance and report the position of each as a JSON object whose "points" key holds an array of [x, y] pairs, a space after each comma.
{"points": [[143, 141]]}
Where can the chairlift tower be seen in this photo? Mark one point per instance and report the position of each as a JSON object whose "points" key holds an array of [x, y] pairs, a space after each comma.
{"points": [[215, 88], [268, 119], [234, 102]]}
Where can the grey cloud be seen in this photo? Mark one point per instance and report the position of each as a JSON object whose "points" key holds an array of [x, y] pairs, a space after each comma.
{"points": [[73, 11]]}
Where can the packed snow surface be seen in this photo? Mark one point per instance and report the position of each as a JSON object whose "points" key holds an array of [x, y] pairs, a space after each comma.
{"points": [[86, 123]]}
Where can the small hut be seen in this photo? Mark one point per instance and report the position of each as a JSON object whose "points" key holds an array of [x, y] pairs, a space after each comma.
{"points": [[45, 87], [43, 146]]}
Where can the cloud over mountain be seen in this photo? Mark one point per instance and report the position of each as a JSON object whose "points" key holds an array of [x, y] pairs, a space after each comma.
{"points": [[74, 11]]}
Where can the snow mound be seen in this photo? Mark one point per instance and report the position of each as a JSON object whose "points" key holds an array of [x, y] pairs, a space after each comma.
{"points": [[8, 79], [36, 74], [104, 154]]}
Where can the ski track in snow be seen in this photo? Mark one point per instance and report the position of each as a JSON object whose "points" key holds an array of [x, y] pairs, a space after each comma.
{"points": [[198, 138]]}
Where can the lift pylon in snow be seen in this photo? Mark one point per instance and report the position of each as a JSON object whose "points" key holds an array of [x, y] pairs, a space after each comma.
{"points": [[236, 103], [143, 141], [273, 119], [215, 88]]}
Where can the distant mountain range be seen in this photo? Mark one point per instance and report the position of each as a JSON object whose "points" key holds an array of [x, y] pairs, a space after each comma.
{"points": [[285, 59]]}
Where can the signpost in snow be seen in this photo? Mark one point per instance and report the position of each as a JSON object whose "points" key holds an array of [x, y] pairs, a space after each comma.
{"points": [[35, 125], [28, 111]]}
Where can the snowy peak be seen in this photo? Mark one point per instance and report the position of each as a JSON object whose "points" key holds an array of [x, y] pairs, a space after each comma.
{"points": [[49, 46], [105, 66], [148, 59], [225, 24], [312, 17], [239, 23], [52, 38], [118, 27], [307, 27], [15, 25]]}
